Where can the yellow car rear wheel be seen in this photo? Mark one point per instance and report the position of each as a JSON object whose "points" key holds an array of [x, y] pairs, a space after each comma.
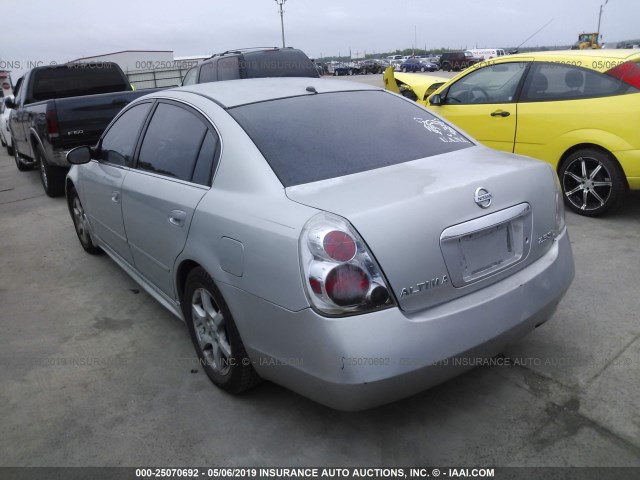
{"points": [[592, 181]]}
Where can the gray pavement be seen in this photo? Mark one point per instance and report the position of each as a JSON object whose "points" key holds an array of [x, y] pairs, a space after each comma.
{"points": [[96, 373]]}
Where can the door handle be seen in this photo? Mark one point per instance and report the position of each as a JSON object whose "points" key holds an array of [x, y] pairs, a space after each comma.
{"points": [[500, 113], [115, 197], [177, 217]]}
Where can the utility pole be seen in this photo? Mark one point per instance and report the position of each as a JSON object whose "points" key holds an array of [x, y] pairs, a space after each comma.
{"points": [[280, 4], [600, 17]]}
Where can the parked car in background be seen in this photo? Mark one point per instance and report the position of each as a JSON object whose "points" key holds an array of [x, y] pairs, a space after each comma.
{"points": [[576, 110], [373, 66], [5, 134], [346, 69], [57, 108], [252, 63], [417, 65], [296, 245], [457, 61]]}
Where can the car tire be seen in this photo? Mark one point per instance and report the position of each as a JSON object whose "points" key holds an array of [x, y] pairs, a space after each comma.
{"points": [[80, 222], [215, 336], [404, 69], [10, 150], [422, 69], [23, 167], [350, 72], [592, 181], [335, 73], [446, 67], [52, 178]]}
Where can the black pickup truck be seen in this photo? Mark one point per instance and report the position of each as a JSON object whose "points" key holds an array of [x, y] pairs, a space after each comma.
{"points": [[60, 107]]}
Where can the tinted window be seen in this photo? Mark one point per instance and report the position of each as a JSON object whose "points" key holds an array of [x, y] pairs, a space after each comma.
{"points": [[494, 84], [315, 137], [120, 140], [204, 165], [172, 142], [76, 80], [207, 73], [228, 68], [555, 81], [190, 77], [278, 63]]}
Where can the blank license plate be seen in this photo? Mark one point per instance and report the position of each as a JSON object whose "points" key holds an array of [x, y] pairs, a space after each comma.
{"points": [[487, 250]]}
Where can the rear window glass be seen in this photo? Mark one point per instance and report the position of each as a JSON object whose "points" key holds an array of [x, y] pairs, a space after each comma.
{"points": [[277, 63], [316, 137], [77, 80]]}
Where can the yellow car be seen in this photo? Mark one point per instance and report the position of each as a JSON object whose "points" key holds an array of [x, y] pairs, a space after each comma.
{"points": [[577, 110]]}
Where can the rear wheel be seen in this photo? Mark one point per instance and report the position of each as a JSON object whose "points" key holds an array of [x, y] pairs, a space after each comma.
{"points": [[404, 69], [52, 177], [80, 222], [422, 69], [446, 67], [592, 181], [215, 336], [10, 150]]}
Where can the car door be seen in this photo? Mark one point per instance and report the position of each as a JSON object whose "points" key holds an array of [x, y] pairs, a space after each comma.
{"points": [[563, 105], [172, 174], [483, 103], [102, 179], [17, 118]]}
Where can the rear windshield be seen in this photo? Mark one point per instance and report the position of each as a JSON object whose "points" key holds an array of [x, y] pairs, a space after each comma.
{"points": [[316, 137], [76, 80], [278, 63]]}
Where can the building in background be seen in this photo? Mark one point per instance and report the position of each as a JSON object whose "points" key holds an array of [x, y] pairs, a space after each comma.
{"points": [[148, 68]]}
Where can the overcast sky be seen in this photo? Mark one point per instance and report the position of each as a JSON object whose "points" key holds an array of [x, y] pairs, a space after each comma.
{"points": [[62, 30]]}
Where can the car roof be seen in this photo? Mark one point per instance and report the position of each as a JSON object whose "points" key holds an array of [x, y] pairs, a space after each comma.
{"points": [[595, 59], [232, 93]]}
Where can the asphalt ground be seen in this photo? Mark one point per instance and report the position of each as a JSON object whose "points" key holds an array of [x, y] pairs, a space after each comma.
{"points": [[94, 372]]}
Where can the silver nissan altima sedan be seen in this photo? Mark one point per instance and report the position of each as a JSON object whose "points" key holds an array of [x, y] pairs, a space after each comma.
{"points": [[331, 237]]}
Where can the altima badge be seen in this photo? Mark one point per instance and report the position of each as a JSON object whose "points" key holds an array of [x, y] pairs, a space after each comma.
{"points": [[483, 198]]}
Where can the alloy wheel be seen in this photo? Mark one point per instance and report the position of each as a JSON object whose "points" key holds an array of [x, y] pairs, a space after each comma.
{"points": [[587, 183], [210, 328]]}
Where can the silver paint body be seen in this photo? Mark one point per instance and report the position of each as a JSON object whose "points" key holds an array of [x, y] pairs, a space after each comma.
{"points": [[245, 230]]}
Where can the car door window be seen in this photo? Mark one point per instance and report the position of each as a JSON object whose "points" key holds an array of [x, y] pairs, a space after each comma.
{"points": [[207, 73], [190, 77], [555, 81], [229, 68], [172, 142], [119, 143], [206, 159], [492, 84]]}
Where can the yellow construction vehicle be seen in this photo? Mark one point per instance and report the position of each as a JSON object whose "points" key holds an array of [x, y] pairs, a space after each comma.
{"points": [[587, 41]]}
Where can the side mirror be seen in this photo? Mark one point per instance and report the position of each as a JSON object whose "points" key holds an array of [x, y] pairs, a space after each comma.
{"points": [[9, 102], [435, 100], [79, 155]]}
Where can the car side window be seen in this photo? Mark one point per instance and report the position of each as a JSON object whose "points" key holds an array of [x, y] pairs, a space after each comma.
{"points": [[496, 83], [555, 81], [228, 68], [119, 142], [207, 73], [206, 159], [190, 77], [172, 144]]}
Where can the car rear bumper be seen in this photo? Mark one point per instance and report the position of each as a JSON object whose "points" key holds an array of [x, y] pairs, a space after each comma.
{"points": [[630, 162], [367, 360]]}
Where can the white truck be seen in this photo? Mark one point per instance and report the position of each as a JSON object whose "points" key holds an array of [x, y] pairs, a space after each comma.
{"points": [[487, 53]]}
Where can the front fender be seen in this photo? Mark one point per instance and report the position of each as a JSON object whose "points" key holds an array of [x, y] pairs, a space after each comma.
{"points": [[421, 85]]}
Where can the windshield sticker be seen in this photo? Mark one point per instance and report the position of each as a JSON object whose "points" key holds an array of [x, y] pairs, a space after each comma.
{"points": [[447, 134]]}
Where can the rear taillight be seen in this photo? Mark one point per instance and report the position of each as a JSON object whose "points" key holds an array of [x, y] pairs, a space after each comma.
{"points": [[52, 123], [628, 72], [340, 275]]}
